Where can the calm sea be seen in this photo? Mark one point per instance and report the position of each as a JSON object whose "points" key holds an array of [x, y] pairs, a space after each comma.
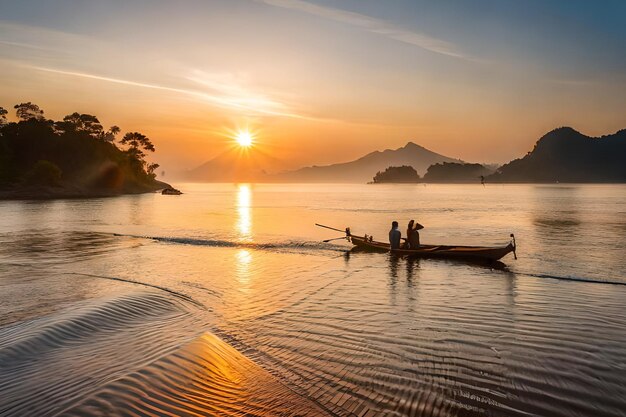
{"points": [[224, 301]]}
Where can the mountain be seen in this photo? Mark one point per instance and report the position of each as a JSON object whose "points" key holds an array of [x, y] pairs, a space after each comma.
{"points": [[239, 165], [363, 169], [565, 155]]}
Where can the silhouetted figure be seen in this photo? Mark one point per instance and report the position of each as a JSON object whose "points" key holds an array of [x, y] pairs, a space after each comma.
{"points": [[394, 236], [409, 228], [482, 179], [412, 234]]}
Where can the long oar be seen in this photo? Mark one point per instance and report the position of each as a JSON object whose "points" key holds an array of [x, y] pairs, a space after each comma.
{"points": [[330, 240], [331, 228]]}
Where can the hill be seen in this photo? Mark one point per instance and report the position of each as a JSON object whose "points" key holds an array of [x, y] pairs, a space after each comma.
{"points": [[394, 175], [565, 155], [239, 165], [74, 157], [451, 172], [362, 169]]}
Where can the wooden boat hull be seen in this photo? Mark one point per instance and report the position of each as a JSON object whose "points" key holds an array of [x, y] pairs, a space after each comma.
{"points": [[484, 253]]}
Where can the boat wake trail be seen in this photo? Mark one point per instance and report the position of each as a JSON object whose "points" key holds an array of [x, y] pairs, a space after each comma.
{"points": [[571, 278], [284, 246], [158, 287]]}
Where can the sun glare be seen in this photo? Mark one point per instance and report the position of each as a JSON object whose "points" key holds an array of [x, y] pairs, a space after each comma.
{"points": [[244, 138]]}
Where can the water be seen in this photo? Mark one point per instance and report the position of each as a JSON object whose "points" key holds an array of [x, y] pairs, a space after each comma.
{"points": [[224, 301]]}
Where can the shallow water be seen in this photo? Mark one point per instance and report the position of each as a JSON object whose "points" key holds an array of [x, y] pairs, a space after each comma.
{"points": [[224, 301]]}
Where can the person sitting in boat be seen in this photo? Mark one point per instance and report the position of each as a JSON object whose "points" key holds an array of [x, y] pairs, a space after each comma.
{"points": [[412, 234], [409, 229], [394, 236]]}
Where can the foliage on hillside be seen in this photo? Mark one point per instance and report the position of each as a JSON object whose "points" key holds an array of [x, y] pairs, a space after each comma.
{"points": [[456, 172], [565, 155], [401, 174], [75, 153]]}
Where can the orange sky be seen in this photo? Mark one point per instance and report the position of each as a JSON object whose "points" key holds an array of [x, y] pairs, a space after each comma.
{"points": [[319, 82]]}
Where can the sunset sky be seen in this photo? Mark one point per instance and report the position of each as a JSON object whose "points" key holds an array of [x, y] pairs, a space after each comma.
{"points": [[322, 81]]}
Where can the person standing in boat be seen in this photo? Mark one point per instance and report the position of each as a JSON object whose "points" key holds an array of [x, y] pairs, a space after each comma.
{"points": [[394, 236], [412, 234]]}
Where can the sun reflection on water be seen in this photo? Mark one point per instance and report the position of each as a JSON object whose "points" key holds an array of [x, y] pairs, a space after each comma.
{"points": [[244, 221], [243, 259]]}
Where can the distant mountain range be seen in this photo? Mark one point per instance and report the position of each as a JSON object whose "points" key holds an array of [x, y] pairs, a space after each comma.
{"points": [[239, 167], [363, 169], [562, 155], [565, 155]]}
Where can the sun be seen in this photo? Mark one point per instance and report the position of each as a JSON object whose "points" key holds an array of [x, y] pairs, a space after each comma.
{"points": [[244, 138]]}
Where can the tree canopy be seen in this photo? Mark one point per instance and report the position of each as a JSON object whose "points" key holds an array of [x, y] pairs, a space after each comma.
{"points": [[456, 172], [75, 152], [28, 111], [401, 174]]}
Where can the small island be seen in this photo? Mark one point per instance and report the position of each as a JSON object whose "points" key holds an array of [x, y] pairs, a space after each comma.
{"points": [[445, 172], [74, 157], [561, 155], [401, 174], [452, 172]]}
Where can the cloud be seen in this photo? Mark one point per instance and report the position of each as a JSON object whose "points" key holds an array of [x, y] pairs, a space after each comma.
{"points": [[230, 96], [371, 24], [58, 52], [228, 85], [22, 45]]}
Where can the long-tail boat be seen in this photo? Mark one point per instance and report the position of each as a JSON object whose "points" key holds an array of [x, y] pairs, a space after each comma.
{"points": [[485, 253]]}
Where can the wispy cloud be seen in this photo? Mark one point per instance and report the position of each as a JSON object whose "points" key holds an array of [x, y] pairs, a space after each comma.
{"points": [[27, 37], [371, 24], [22, 45], [57, 52], [228, 96], [230, 86]]}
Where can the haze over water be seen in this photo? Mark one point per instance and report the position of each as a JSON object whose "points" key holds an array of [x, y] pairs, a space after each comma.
{"points": [[225, 301]]}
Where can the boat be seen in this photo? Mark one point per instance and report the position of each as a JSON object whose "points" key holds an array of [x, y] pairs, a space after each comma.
{"points": [[486, 253], [476, 253]]}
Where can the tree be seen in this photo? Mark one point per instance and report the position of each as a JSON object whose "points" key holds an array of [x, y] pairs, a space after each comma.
{"points": [[75, 153], [456, 172], [85, 123], [151, 168], [404, 173], [28, 111], [111, 134], [137, 143]]}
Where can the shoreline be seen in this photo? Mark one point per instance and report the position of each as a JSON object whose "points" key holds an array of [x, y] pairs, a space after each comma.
{"points": [[74, 192]]}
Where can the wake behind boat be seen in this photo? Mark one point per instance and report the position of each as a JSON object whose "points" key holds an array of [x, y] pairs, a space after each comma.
{"points": [[484, 253]]}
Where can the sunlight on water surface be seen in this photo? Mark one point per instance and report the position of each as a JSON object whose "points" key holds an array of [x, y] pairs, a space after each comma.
{"points": [[321, 329]]}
